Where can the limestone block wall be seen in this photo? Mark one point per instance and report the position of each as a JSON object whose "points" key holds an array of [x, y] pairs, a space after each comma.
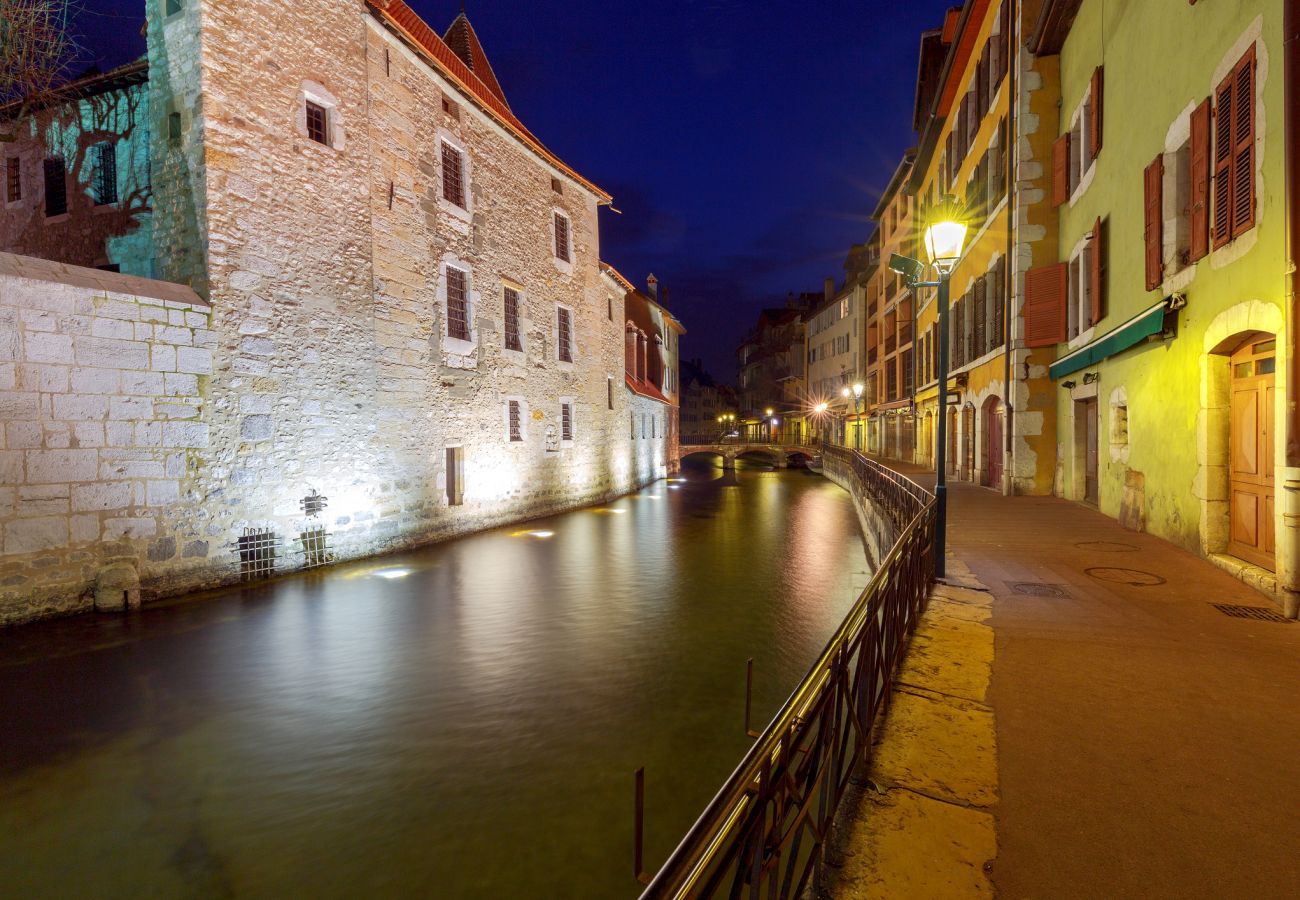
{"points": [[102, 379]]}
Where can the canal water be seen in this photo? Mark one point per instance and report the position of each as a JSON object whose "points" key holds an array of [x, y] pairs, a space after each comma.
{"points": [[459, 721]]}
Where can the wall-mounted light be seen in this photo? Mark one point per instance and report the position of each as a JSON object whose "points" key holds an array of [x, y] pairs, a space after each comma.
{"points": [[1091, 377], [1069, 385]]}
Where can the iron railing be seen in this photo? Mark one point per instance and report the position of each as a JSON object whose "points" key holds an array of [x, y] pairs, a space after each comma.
{"points": [[763, 833]]}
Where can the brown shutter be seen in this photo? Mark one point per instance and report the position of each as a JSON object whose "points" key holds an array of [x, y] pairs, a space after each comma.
{"points": [[1061, 170], [1222, 222], [1200, 163], [1153, 219], [1243, 144], [980, 337], [1095, 125], [1045, 305], [1096, 275], [997, 337]]}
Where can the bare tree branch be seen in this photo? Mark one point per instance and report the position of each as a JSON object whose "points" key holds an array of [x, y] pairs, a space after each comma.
{"points": [[35, 52]]}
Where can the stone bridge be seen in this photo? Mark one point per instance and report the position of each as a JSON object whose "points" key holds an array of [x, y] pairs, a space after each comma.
{"points": [[780, 455]]}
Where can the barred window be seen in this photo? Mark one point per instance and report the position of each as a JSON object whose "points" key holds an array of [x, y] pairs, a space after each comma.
{"points": [[566, 421], [453, 175], [562, 237], [105, 176], [317, 123], [512, 320], [564, 335], [13, 179], [56, 187], [516, 423], [457, 304], [609, 392]]}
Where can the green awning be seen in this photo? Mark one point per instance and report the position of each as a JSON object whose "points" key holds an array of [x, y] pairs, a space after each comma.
{"points": [[1135, 330]]}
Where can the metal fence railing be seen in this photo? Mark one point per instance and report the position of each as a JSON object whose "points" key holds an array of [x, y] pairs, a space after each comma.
{"points": [[762, 835]]}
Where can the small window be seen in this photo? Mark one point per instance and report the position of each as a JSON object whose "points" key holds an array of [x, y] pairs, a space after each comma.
{"points": [[451, 108], [631, 418], [562, 237], [512, 320], [56, 187], [174, 129], [609, 392], [564, 335], [104, 184], [13, 179], [566, 421], [455, 476], [457, 304], [556, 186], [453, 175], [653, 421], [609, 301], [516, 426], [173, 7], [318, 125]]}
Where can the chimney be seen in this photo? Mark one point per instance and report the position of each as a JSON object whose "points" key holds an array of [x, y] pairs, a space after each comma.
{"points": [[652, 287], [665, 300], [829, 288]]}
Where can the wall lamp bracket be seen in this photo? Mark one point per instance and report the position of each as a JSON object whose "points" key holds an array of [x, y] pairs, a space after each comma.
{"points": [[1069, 385], [1091, 377]]}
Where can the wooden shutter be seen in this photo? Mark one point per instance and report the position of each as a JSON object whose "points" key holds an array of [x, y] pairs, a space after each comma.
{"points": [[1243, 145], [1222, 221], [999, 293], [1153, 219], [1097, 275], [1094, 126], [1045, 305], [980, 337], [1200, 163], [1061, 170]]}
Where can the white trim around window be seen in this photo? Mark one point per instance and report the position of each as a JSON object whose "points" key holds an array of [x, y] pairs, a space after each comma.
{"points": [[1077, 305], [464, 213], [1082, 163], [317, 93], [454, 346], [564, 265], [573, 334]]}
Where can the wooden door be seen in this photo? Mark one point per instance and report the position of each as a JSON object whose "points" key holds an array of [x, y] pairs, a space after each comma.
{"points": [[953, 461], [1091, 490], [993, 432], [1250, 463], [968, 442]]}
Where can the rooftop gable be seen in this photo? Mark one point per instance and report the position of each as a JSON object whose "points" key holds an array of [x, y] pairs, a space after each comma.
{"points": [[464, 42]]}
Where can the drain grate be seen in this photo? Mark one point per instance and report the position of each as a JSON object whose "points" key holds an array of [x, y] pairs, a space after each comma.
{"points": [[1131, 577], [1261, 613], [1037, 589]]}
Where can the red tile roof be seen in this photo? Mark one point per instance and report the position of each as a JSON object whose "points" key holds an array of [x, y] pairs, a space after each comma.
{"points": [[403, 20], [645, 389], [463, 41]]}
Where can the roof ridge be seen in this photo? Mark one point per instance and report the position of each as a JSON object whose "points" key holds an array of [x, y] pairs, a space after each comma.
{"points": [[463, 41]]}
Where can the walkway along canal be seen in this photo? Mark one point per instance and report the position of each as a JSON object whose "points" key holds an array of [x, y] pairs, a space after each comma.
{"points": [[461, 721]]}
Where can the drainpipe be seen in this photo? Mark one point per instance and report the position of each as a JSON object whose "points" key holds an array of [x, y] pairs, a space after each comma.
{"points": [[1291, 100], [1012, 149]]}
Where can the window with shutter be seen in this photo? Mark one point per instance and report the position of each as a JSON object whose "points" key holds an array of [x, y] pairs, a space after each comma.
{"points": [[1061, 170], [1094, 129], [1199, 237], [1243, 146], [1096, 273], [973, 114], [1153, 222], [996, 333], [980, 335], [1044, 305]]}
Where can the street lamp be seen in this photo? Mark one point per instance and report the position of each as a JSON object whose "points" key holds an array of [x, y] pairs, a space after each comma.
{"points": [[945, 237], [857, 414]]}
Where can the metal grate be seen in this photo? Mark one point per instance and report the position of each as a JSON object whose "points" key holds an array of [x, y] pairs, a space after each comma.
{"points": [[457, 304], [1037, 589], [1131, 577], [315, 548], [105, 179], [1261, 613], [453, 175], [512, 320], [14, 180], [562, 237], [516, 426], [565, 329], [257, 553], [313, 504], [566, 421], [317, 123]]}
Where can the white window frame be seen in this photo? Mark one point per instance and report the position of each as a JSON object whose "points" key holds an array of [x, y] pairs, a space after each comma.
{"points": [[1082, 162], [317, 93], [453, 345], [573, 334], [565, 266], [464, 214], [1077, 305], [523, 419]]}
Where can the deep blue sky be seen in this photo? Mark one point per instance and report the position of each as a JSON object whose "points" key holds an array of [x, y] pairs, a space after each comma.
{"points": [[745, 141]]}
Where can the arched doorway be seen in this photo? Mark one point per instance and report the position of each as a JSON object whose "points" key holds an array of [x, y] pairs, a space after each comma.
{"points": [[968, 441], [1250, 451], [994, 429]]}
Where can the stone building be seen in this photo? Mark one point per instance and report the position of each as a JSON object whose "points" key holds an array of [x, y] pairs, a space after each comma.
{"points": [[770, 364], [703, 400], [386, 321]]}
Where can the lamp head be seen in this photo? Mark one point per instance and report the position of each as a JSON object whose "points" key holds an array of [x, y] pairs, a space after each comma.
{"points": [[910, 269], [945, 235], [768, 411], [857, 389], [819, 408], [845, 392]]}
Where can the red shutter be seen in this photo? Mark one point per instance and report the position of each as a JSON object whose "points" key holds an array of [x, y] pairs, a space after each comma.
{"points": [[1153, 219], [1243, 145], [1061, 170], [1045, 305], [1222, 222], [1095, 125], [1097, 275], [1200, 163]]}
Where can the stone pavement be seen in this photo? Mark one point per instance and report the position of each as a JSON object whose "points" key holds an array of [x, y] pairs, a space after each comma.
{"points": [[1147, 744]]}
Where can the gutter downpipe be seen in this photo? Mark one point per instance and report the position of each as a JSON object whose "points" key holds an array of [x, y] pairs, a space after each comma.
{"points": [[1291, 101], [1012, 151]]}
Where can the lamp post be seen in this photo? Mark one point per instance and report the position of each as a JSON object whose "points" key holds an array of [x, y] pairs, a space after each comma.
{"points": [[945, 236], [820, 412], [856, 393]]}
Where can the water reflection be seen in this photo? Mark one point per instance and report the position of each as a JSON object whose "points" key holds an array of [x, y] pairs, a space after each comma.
{"points": [[461, 721]]}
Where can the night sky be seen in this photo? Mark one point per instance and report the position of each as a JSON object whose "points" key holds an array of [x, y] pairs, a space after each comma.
{"points": [[745, 141]]}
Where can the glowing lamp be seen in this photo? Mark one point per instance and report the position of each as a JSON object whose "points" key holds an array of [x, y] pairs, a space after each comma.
{"points": [[857, 390], [845, 393], [945, 236]]}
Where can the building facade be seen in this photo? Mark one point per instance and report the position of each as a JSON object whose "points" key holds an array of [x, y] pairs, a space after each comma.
{"points": [[395, 324]]}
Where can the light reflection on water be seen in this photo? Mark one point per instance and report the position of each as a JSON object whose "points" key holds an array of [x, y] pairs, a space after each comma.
{"points": [[461, 721]]}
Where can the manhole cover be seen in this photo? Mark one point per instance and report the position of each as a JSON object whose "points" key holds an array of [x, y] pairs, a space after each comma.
{"points": [[1133, 577], [1262, 613], [1106, 546], [1037, 589]]}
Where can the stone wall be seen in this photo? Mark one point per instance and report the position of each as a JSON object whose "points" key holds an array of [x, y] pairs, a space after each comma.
{"points": [[101, 385]]}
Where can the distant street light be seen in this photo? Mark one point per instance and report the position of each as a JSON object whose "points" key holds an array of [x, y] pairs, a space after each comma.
{"points": [[945, 237]]}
